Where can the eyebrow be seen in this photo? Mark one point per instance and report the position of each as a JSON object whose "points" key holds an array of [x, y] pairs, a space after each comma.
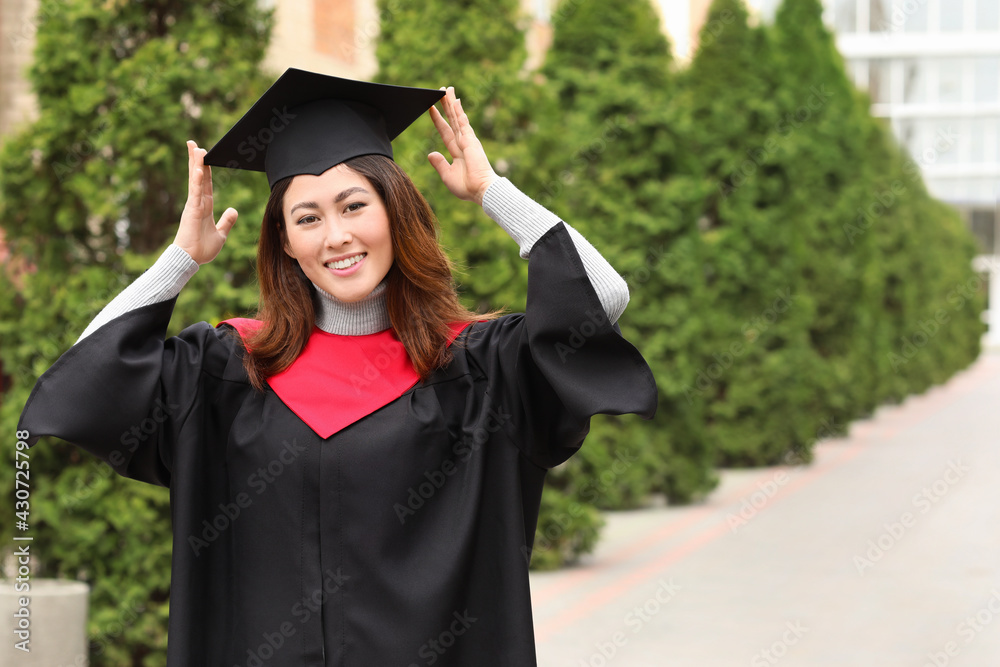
{"points": [[339, 198]]}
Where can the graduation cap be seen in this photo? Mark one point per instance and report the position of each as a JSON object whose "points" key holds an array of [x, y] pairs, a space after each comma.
{"points": [[307, 122]]}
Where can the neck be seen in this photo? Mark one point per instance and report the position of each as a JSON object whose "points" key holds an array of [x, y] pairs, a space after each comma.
{"points": [[358, 318]]}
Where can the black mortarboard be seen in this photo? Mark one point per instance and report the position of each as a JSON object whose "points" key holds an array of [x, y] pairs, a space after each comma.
{"points": [[307, 122]]}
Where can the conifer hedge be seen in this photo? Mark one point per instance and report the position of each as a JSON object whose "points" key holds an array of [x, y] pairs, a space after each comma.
{"points": [[788, 270], [90, 194]]}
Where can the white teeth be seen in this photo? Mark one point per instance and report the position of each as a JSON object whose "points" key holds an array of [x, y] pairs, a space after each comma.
{"points": [[344, 263]]}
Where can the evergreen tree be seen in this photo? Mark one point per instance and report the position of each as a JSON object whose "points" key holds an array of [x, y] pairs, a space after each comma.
{"points": [[883, 254], [612, 165], [90, 194], [832, 179], [757, 370], [477, 47]]}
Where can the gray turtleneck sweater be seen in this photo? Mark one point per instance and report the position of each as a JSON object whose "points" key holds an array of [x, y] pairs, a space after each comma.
{"points": [[519, 215]]}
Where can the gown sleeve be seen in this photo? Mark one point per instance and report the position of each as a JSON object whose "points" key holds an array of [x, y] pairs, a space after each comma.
{"points": [[562, 361], [124, 391]]}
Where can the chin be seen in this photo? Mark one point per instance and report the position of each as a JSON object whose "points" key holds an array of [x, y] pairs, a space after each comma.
{"points": [[347, 296]]}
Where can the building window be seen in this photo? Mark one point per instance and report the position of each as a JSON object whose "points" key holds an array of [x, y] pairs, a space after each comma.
{"points": [[950, 81], [952, 16], [845, 16], [880, 16], [984, 227], [987, 15], [915, 73], [987, 80], [878, 82], [915, 16]]}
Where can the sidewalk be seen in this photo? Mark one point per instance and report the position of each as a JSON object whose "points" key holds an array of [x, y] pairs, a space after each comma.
{"points": [[884, 551]]}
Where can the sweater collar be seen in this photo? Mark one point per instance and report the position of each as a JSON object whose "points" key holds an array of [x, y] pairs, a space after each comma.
{"points": [[358, 318]]}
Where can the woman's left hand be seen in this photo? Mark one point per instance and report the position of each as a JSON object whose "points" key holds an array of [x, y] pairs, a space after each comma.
{"points": [[469, 174]]}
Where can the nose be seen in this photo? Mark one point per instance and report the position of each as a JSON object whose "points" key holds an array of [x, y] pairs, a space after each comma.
{"points": [[337, 234]]}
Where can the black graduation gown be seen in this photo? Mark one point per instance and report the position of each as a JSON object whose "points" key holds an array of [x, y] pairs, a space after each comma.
{"points": [[402, 539]]}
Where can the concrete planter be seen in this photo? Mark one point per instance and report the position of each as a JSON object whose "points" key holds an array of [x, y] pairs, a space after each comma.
{"points": [[57, 614]]}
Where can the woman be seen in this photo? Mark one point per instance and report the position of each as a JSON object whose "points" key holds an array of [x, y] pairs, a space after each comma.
{"points": [[356, 474]]}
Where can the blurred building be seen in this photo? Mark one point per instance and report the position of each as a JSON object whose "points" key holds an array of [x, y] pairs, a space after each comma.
{"points": [[931, 68], [17, 41]]}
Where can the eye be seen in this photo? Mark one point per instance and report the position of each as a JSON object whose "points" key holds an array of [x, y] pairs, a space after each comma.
{"points": [[305, 219], [355, 206]]}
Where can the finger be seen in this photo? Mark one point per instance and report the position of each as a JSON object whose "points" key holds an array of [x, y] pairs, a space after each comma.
{"points": [[441, 125], [226, 221], [208, 176], [463, 118], [469, 137], [196, 188], [448, 106], [454, 118], [196, 168], [206, 173], [190, 169], [440, 163], [447, 134]]}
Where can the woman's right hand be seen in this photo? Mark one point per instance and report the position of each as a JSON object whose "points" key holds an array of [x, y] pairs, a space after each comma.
{"points": [[198, 235]]}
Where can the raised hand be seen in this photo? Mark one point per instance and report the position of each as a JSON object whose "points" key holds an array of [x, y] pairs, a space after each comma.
{"points": [[469, 174], [198, 235]]}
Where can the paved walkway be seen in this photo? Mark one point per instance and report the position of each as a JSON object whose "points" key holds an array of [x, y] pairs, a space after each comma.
{"points": [[884, 551]]}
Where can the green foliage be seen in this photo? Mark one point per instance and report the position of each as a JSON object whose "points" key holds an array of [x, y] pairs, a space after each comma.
{"points": [[567, 527], [478, 48], [788, 269], [90, 193], [883, 255], [620, 176], [755, 365]]}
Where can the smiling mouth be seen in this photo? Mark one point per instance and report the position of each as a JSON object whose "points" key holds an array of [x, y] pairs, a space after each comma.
{"points": [[348, 262]]}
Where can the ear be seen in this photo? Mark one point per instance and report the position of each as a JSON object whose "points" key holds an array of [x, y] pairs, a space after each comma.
{"points": [[284, 245]]}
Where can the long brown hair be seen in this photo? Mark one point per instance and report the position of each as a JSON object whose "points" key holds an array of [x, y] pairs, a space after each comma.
{"points": [[420, 290]]}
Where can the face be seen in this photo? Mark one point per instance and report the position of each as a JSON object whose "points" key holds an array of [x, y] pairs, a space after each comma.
{"points": [[338, 230]]}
